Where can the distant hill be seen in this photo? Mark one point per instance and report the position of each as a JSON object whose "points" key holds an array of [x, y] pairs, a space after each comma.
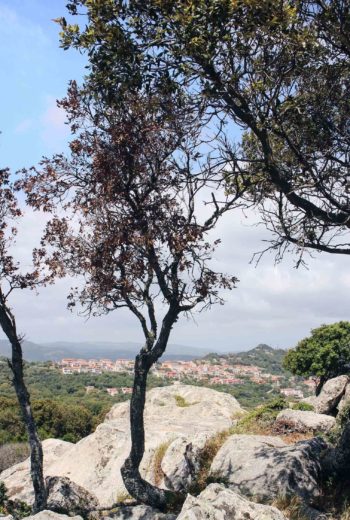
{"points": [[99, 349], [262, 356]]}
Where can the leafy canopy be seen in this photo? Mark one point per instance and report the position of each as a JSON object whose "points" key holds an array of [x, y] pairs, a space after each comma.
{"points": [[324, 354], [278, 69]]}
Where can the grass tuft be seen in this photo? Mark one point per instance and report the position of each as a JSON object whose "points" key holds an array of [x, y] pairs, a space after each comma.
{"points": [[157, 462]]}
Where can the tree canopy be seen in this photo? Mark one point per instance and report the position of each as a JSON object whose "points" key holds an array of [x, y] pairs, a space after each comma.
{"points": [[279, 70], [322, 355]]}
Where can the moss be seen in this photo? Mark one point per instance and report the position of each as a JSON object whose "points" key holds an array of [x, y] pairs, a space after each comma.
{"points": [[181, 401], [304, 407]]}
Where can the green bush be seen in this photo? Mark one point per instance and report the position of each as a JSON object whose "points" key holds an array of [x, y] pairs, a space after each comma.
{"points": [[261, 420], [304, 407]]}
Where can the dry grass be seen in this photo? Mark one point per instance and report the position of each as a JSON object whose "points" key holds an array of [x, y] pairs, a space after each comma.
{"points": [[13, 453], [158, 474], [207, 455], [291, 507]]}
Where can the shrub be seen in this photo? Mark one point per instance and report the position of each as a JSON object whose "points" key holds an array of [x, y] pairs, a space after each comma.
{"points": [[3, 494], [304, 407], [261, 420]]}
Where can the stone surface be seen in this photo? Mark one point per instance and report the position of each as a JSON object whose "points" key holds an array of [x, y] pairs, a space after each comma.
{"points": [[50, 515], [181, 462], [139, 513], [219, 503], [328, 399], [265, 467], [301, 421], [345, 400], [94, 462], [17, 478], [64, 496]]}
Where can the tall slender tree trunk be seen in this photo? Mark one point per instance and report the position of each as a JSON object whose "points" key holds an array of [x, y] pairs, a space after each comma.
{"points": [[36, 452], [139, 488]]}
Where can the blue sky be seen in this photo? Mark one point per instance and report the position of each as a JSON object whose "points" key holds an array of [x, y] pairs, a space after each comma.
{"points": [[277, 305], [35, 72]]}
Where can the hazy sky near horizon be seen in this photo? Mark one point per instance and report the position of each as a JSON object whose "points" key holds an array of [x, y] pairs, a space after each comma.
{"points": [[273, 304]]}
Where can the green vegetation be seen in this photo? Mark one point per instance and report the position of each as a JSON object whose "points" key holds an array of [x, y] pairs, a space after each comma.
{"points": [[324, 354], [260, 420], [181, 401], [268, 358], [61, 405], [303, 407]]}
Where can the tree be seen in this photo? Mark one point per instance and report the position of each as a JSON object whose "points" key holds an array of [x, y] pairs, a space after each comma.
{"points": [[132, 192], [12, 279], [280, 70], [323, 355]]}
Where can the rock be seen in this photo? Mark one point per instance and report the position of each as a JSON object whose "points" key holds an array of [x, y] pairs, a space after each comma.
{"points": [[218, 503], [345, 400], [64, 496], [17, 478], [266, 467], [50, 515], [94, 462], [328, 399], [6, 517], [302, 421], [181, 461], [139, 513]]}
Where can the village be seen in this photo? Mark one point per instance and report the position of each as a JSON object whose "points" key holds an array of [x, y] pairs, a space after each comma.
{"points": [[221, 373]]}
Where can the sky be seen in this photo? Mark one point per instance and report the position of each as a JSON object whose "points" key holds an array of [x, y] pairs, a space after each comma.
{"points": [[273, 304]]}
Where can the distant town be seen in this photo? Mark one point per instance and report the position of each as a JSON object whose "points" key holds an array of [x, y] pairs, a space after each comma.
{"points": [[220, 373]]}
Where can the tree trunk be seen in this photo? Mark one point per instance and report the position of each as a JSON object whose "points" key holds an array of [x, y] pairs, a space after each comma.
{"points": [[319, 385], [36, 452], [139, 488]]}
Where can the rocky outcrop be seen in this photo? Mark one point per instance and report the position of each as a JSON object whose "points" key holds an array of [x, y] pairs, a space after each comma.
{"points": [[177, 411], [303, 421], [17, 478], [330, 396], [139, 512], [266, 467], [181, 462], [64, 496], [218, 503], [50, 515], [345, 400]]}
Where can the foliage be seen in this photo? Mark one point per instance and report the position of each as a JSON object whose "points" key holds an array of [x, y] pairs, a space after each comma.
{"points": [[3, 494], [303, 407], [278, 69], [260, 420], [263, 356], [324, 354]]}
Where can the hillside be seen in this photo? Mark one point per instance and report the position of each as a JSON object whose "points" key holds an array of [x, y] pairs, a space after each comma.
{"points": [[263, 356], [55, 351]]}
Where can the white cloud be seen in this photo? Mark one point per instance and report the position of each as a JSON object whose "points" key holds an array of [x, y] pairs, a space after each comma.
{"points": [[277, 305]]}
